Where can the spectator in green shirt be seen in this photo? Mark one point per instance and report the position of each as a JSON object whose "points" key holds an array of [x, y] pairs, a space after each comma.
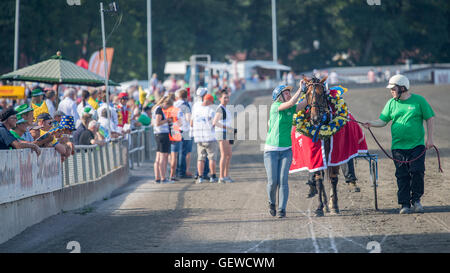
{"points": [[145, 117], [407, 111]]}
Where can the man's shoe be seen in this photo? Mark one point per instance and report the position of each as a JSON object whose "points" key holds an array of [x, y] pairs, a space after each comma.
{"points": [[272, 209], [281, 214], [222, 181], [418, 207], [405, 210]]}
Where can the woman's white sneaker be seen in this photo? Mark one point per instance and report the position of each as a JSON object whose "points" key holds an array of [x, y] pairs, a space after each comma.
{"points": [[228, 179]]}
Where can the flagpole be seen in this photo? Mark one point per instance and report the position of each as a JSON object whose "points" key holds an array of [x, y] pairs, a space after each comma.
{"points": [[274, 36], [149, 41], [105, 62], [16, 36]]}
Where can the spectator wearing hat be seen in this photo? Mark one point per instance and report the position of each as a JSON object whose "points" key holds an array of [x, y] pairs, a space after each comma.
{"points": [[407, 111], [204, 136], [278, 146], [45, 120], [123, 112], [201, 93], [27, 113], [68, 125], [50, 131], [21, 127], [68, 105], [8, 121], [35, 131], [37, 103]]}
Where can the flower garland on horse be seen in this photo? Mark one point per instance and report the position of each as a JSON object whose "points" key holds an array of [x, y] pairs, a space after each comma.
{"points": [[346, 137], [302, 120]]}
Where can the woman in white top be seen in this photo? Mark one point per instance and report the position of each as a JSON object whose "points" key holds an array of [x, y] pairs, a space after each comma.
{"points": [[224, 135], [161, 130]]}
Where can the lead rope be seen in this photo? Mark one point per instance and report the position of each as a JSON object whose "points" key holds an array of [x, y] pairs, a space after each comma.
{"points": [[400, 161]]}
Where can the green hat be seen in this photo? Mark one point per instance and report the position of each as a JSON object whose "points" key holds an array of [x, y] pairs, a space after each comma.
{"points": [[37, 92], [22, 109], [20, 120], [87, 109]]}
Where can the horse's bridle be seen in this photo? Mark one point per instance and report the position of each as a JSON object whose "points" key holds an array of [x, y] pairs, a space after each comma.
{"points": [[324, 110], [316, 104]]}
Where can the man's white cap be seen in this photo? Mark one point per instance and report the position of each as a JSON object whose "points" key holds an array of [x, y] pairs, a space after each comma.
{"points": [[201, 91], [399, 80]]}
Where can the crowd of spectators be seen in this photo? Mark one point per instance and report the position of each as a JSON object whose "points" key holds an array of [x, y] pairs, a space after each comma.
{"points": [[178, 123], [75, 116]]}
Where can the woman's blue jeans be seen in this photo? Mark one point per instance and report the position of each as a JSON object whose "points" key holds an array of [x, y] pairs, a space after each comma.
{"points": [[277, 167]]}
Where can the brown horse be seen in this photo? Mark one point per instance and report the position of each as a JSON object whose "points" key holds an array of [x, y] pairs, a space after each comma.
{"points": [[320, 112]]}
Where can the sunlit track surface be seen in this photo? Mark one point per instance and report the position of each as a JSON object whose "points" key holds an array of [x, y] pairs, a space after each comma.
{"points": [[234, 218]]}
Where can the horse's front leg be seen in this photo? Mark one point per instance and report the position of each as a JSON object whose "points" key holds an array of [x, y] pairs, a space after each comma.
{"points": [[318, 177], [333, 174]]}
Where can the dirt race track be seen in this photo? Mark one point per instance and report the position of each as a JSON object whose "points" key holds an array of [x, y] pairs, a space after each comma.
{"points": [[205, 218]]}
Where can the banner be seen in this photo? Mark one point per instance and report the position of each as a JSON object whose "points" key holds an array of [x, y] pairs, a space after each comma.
{"points": [[96, 63], [12, 92], [23, 174]]}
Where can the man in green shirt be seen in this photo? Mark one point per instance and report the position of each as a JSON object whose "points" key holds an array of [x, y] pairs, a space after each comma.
{"points": [[407, 111]]}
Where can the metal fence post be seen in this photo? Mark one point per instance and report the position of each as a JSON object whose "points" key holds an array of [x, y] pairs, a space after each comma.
{"points": [[75, 168]]}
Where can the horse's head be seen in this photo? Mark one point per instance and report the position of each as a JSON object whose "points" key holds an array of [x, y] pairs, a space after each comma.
{"points": [[317, 98]]}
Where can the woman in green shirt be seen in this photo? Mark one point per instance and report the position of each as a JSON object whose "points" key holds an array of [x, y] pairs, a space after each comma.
{"points": [[278, 151]]}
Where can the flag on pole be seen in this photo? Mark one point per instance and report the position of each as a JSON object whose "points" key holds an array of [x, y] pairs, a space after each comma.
{"points": [[96, 64]]}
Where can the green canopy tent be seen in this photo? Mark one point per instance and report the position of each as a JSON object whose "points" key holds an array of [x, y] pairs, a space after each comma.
{"points": [[58, 71]]}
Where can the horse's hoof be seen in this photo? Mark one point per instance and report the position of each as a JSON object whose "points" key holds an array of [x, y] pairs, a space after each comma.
{"points": [[335, 211], [319, 213], [312, 192], [353, 187]]}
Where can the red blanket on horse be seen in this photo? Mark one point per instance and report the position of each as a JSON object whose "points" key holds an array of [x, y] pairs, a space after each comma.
{"points": [[347, 143]]}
